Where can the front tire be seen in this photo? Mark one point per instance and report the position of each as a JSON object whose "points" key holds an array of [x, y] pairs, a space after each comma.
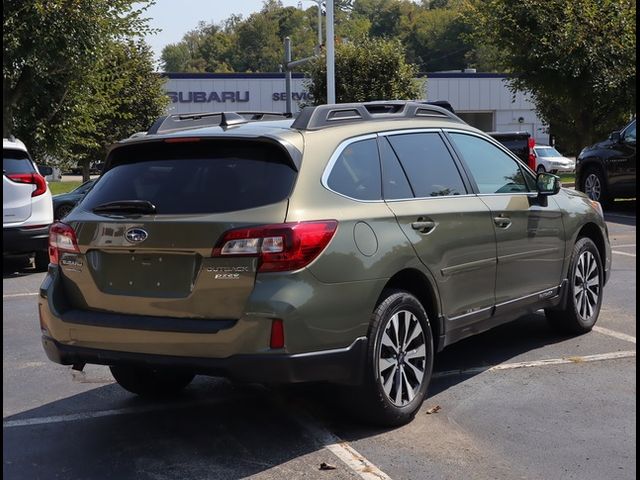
{"points": [[540, 169], [399, 361], [594, 185], [584, 294], [150, 382]]}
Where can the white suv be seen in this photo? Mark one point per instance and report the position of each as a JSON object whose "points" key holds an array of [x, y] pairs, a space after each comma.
{"points": [[27, 209]]}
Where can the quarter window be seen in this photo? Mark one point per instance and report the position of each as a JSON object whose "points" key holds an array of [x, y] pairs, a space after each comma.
{"points": [[493, 170], [428, 164], [356, 172]]}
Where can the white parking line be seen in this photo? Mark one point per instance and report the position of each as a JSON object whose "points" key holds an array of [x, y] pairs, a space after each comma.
{"points": [[628, 245], [353, 459], [341, 449], [613, 333], [538, 363], [623, 253], [13, 295], [72, 417]]}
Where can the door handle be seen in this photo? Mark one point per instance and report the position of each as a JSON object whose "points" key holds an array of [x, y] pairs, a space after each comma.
{"points": [[423, 226], [502, 222]]}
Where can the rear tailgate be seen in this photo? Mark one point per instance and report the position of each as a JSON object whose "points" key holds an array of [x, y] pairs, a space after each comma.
{"points": [[16, 196], [162, 264]]}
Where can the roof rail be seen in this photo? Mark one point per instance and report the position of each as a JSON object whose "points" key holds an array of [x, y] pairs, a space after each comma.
{"points": [[323, 116], [188, 121]]}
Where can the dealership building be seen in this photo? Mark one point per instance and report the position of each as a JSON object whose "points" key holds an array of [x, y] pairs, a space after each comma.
{"points": [[483, 100]]}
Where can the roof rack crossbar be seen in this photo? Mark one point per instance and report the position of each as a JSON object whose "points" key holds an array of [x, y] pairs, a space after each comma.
{"points": [[323, 116], [188, 121]]}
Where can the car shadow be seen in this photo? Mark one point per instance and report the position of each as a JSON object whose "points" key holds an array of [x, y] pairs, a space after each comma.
{"points": [[18, 266], [217, 429], [478, 353], [622, 212], [207, 432]]}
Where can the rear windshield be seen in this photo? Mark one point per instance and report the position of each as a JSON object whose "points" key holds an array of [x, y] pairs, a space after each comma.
{"points": [[203, 177], [16, 161]]}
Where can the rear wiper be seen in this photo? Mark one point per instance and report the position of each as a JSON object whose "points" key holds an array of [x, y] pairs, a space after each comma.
{"points": [[126, 206]]}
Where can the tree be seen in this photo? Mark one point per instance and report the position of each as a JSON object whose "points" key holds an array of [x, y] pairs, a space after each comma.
{"points": [[436, 40], [577, 59], [50, 48], [369, 69], [124, 96]]}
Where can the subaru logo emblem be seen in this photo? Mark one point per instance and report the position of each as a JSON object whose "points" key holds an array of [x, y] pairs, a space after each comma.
{"points": [[136, 235]]}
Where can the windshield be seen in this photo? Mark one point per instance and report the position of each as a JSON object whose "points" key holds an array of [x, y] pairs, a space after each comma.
{"points": [[547, 152]]}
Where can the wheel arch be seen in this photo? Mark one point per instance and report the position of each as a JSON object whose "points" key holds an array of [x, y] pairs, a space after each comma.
{"points": [[594, 232], [424, 289], [593, 163]]}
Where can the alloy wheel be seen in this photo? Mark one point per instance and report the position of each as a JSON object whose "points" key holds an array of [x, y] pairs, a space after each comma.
{"points": [[402, 358], [586, 285], [592, 187]]}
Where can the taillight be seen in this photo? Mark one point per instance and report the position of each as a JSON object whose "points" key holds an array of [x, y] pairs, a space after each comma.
{"points": [[281, 247], [31, 178], [62, 238], [532, 153]]}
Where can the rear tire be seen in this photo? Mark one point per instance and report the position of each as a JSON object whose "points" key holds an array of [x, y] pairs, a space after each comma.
{"points": [[41, 261], [150, 382], [584, 292], [399, 361]]}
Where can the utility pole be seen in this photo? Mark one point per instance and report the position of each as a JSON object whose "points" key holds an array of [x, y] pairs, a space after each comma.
{"points": [[289, 65], [331, 79], [287, 61], [319, 2]]}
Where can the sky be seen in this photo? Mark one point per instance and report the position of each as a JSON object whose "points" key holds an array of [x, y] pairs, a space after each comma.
{"points": [[177, 17]]}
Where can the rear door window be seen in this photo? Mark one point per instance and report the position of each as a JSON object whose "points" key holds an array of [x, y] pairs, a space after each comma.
{"points": [[428, 164], [356, 171], [204, 177], [16, 161], [493, 170]]}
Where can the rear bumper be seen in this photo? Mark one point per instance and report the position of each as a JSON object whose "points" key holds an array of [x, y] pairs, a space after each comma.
{"points": [[560, 169], [21, 240], [343, 365]]}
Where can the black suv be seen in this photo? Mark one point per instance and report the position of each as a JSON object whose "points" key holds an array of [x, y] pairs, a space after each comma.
{"points": [[607, 170]]}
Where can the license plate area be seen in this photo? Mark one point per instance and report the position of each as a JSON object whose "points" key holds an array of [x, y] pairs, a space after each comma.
{"points": [[144, 274]]}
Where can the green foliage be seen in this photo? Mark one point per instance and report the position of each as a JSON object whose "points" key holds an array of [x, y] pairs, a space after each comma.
{"points": [[437, 40], [577, 59], [63, 187], [123, 96], [369, 69], [254, 44], [434, 34], [50, 48]]}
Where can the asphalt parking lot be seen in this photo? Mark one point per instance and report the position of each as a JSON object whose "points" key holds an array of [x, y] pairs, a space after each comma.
{"points": [[518, 402]]}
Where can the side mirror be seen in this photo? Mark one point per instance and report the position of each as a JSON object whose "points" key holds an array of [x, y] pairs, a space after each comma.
{"points": [[547, 184], [615, 137]]}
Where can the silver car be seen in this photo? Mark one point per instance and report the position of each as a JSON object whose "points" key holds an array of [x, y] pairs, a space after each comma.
{"points": [[548, 159]]}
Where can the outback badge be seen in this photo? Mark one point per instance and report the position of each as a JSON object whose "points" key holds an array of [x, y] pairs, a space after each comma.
{"points": [[136, 235]]}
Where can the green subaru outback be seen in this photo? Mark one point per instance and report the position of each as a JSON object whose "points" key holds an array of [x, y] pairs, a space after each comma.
{"points": [[347, 245]]}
